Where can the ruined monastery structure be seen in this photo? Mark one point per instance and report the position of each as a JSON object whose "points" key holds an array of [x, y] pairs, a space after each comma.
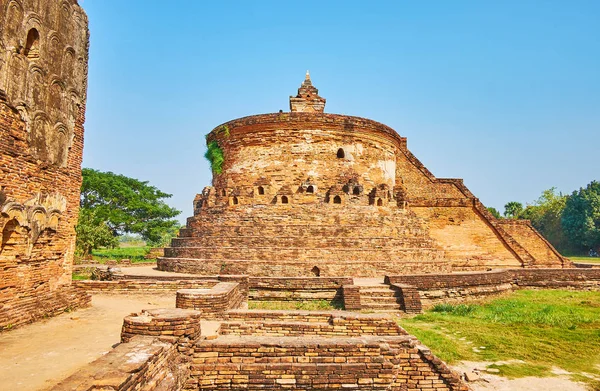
{"points": [[305, 193], [302, 204], [43, 83]]}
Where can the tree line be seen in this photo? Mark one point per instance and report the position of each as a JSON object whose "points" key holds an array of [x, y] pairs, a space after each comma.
{"points": [[570, 222], [113, 205]]}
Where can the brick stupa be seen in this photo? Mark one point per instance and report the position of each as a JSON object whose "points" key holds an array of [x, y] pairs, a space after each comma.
{"points": [[308, 193]]}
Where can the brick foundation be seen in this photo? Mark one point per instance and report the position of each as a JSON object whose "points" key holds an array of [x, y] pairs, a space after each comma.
{"points": [[143, 363], [213, 302]]}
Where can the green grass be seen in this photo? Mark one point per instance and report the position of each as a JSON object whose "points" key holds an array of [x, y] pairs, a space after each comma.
{"points": [[80, 276], [305, 305], [543, 328], [135, 254], [585, 259]]}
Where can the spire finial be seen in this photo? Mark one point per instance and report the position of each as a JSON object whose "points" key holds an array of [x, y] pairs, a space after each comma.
{"points": [[307, 75]]}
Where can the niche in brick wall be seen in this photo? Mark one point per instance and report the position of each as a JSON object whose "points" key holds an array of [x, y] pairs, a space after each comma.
{"points": [[32, 49]]}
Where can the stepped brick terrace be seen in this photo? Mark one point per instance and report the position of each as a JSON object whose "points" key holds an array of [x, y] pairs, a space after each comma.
{"points": [[308, 193]]}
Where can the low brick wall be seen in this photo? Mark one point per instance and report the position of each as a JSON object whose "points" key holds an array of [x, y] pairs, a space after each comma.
{"points": [[173, 324], [437, 288], [557, 278], [42, 305], [351, 295], [410, 299], [349, 325], [144, 363], [297, 288], [214, 302], [451, 280], [369, 363], [142, 285], [280, 315]]}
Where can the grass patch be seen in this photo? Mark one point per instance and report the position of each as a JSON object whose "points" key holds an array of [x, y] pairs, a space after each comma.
{"points": [[543, 328], [585, 259], [521, 370], [80, 276], [135, 254], [305, 305]]}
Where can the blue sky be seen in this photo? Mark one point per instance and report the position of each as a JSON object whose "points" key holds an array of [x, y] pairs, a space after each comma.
{"points": [[504, 94]]}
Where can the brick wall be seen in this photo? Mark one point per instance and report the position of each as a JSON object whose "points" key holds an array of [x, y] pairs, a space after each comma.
{"points": [[42, 112], [410, 300], [180, 326], [557, 278], [317, 288], [143, 363], [124, 286], [370, 363], [348, 324], [453, 280], [351, 295], [213, 302]]}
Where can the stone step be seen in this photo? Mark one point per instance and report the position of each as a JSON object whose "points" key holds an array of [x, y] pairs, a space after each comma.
{"points": [[281, 254], [381, 293], [381, 306], [378, 299], [200, 240]]}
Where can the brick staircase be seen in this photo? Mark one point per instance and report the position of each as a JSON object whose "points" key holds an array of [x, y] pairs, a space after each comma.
{"points": [[380, 297]]}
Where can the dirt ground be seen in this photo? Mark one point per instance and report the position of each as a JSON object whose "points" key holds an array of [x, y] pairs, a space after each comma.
{"points": [[37, 356], [491, 382]]}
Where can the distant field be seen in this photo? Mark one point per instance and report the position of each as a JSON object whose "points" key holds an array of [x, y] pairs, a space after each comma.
{"points": [[585, 259], [544, 329], [135, 254]]}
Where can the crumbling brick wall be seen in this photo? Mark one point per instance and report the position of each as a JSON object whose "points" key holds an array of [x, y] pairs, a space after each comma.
{"points": [[43, 82]]}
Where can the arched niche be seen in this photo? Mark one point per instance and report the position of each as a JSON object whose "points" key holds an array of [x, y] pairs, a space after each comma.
{"points": [[32, 44], [14, 239]]}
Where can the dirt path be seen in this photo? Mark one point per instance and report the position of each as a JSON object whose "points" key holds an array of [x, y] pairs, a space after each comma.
{"points": [[491, 382], [37, 356]]}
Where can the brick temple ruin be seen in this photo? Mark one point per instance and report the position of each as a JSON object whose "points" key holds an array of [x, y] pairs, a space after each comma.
{"points": [[307, 193], [302, 205], [43, 83]]}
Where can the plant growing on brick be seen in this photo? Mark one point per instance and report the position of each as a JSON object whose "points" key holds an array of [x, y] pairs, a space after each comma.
{"points": [[214, 155]]}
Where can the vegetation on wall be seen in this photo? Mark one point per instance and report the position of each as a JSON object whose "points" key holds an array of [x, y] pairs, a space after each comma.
{"points": [[214, 155]]}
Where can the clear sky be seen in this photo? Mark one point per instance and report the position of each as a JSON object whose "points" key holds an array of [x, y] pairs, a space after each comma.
{"points": [[504, 94]]}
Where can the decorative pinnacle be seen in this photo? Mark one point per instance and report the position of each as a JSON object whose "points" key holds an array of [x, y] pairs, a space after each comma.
{"points": [[307, 76]]}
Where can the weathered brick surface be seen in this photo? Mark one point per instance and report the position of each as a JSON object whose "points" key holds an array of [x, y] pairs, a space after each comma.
{"points": [[124, 286], [351, 295], [143, 363], [175, 325], [349, 325], [437, 288], [410, 300], [43, 82], [307, 193], [214, 302]]}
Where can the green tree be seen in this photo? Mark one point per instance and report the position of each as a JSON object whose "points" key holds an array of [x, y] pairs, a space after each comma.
{"points": [[545, 215], [513, 209], [581, 217], [494, 212], [127, 205], [92, 234]]}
